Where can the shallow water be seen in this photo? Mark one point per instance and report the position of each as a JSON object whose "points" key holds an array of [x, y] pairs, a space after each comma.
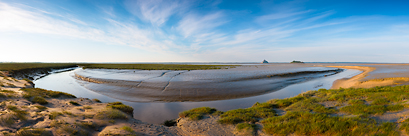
{"points": [[157, 112]]}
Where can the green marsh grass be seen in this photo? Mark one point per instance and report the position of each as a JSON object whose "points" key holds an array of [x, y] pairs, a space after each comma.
{"points": [[155, 66], [246, 127], [310, 105], [122, 107], [39, 100], [128, 129], [252, 114], [53, 115], [17, 112], [30, 92], [11, 67], [305, 123], [358, 109], [33, 132], [351, 102], [41, 108], [110, 114], [282, 103], [197, 113]]}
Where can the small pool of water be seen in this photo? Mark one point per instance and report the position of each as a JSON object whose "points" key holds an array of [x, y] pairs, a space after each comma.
{"points": [[157, 112]]}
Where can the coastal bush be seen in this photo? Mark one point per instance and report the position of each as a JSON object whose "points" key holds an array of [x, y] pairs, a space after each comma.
{"points": [[39, 100], [122, 107], [110, 114], [305, 123], [197, 113], [246, 115]]}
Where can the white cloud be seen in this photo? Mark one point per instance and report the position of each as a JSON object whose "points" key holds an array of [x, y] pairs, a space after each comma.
{"points": [[156, 12], [195, 24]]}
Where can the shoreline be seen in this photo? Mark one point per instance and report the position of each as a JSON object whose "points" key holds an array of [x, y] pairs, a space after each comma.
{"points": [[63, 113], [358, 82]]}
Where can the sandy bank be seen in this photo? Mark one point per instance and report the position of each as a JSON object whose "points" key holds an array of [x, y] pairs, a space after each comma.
{"points": [[359, 80]]}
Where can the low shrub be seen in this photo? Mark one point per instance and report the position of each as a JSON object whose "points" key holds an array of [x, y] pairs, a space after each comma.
{"points": [[96, 100]]}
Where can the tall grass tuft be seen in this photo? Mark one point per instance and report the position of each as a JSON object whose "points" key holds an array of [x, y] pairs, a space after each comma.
{"points": [[197, 113]]}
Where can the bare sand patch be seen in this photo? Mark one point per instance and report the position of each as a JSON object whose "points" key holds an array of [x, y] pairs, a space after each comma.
{"points": [[359, 82]]}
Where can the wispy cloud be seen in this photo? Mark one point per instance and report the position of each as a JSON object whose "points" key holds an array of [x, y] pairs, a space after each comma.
{"points": [[156, 12], [194, 24], [179, 27]]}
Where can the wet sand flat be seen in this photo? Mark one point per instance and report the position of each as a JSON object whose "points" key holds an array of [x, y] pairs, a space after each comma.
{"points": [[198, 85]]}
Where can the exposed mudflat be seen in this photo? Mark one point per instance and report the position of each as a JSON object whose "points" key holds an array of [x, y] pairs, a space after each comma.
{"points": [[198, 85]]}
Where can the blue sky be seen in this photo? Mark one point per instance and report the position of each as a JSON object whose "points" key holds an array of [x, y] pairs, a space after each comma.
{"points": [[204, 31]]}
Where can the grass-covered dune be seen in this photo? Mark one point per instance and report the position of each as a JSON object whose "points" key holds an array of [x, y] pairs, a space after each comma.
{"points": [[322, 112], [155, 66]]}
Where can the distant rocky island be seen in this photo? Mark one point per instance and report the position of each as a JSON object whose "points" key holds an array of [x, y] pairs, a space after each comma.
{"points": [[296, 61], [264, 61]]}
